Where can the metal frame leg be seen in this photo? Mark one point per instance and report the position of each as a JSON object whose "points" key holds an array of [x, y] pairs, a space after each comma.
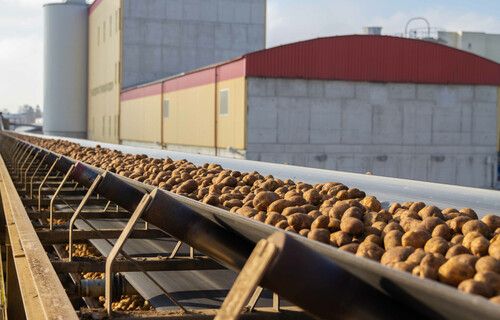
{"points": [[51, 206], [27, 169], [117, 248], [43, 182], [34, 174], [77, 213], [248, 280], [20, 174]]}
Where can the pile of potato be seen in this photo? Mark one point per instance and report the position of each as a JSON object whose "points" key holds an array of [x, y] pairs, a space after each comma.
{"points": [[449, 245]]}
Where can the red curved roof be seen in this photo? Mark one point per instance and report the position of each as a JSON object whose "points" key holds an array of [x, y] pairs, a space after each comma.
{"points": [[373, 58]]}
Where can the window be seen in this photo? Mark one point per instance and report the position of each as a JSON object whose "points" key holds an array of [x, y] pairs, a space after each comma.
{"points": [[166, 109], [109, 126], [98, 35], [116, 125], [104, 32], [116, 21], [116, 71], [103, 125], [224, 102], [93, 126], [110, 26]]}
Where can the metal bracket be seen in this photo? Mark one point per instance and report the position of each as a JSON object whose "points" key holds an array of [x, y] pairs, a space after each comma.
{"points": [[51, 206], [43, 182], [20, 174], [255, 298], [117, 248], [248, 280], [34, 174], [77, 213], [18, 159], [28, 169]]}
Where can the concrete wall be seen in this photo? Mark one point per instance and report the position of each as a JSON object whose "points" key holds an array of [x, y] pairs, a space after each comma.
{"points": [[166, 37], [104, 72], [441, 133]]}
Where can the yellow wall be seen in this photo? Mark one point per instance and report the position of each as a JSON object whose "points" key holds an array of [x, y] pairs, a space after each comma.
{"points": [[192, 113], [231, 128], [498, 122], [140, 119], [104, 71]]}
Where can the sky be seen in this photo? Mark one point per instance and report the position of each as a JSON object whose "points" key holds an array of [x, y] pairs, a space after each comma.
{"points": [[21, 30]]}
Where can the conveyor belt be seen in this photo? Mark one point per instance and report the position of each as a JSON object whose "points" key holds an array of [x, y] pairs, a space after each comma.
{"points": [[443, 301]]}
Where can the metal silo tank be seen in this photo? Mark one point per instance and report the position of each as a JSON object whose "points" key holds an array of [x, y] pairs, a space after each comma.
{"points": [[65, 68]]}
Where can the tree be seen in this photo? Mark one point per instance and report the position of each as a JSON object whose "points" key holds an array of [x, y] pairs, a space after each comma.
{"points": [[38, 111]]}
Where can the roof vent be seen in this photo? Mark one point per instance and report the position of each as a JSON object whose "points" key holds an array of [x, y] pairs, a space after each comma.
{"points": [[374, 31]]}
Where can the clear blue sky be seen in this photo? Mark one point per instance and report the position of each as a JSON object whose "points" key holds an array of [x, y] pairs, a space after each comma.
{"points": [[21, 30]]}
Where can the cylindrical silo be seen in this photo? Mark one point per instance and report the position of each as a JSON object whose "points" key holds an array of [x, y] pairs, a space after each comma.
{"points": [[65, 69]]}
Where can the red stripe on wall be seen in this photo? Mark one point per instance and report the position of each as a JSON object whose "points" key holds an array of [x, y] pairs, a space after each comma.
{"points": [[94, 5], [231, 70], [190, 80], [141, 92]]}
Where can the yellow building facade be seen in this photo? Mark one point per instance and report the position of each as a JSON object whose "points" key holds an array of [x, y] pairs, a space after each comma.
{"points": [[104, 82]]}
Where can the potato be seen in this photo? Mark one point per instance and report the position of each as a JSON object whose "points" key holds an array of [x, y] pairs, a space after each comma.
{"points": [[476, 287], [263, 199], [456, 250], [279, 205], [430, 223], [338, 209], [273, 218], [466, 258], [351, 247], [430, 211], [351, 226], [494, 250], [315, 214], [492, 221], [457, 239], [321, 235], [373, 238], [392, 239], [372, 203], [450, 213], [261, 216], [415, 239], [479, 246], [334, 225], [425, 271], [467, 241], [477, 226], [372, 230], [396, 254], [437, 245], [291, 210], [371, 217], [454, 272], [320, 222], [283, 224], [433, 260], [469, 213], [312, 196], [409, 224], [290, 229], [340, 238], [416, 257], [353, 212], [394, 207], [247, 212], [417, 206], [491, 278], [488, 263], [495, 299], [391, 226], [401, 266], [442, 231], [211, 199], [457, 223], [309, 208], [370, 250], [299, 221], [298, 201], [304, 232]]}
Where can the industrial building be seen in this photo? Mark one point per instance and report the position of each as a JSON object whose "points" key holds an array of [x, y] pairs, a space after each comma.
{"points": [[393, 106], [483, 44]]}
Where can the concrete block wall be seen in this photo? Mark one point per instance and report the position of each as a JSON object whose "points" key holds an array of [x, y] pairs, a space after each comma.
{"points": [[440, 133], [166, 37]]}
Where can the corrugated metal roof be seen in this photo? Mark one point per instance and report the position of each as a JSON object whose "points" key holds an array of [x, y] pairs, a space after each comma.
{"points": [[373, 58]]}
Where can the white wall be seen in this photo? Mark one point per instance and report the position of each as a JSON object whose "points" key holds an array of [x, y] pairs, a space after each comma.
{"points": [[480, 43], [441, 133], [166, 37]]}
